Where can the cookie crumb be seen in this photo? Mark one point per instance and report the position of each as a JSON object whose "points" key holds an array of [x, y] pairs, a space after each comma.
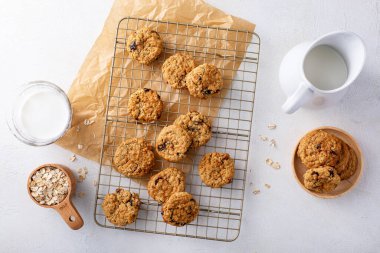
{"points": [[272, 126], [80, 146], [88, 122], [256, 191], [82, 174], [267, 186], [73, 158]]}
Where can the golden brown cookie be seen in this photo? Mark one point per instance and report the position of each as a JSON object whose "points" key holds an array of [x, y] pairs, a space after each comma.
{"points": [[204, 81], [172, 143], [344, 159], [216, 169], [180, 209], [166, 182], [197, 125], [175, 69], [134, 157], [319, 148], [144, 45], [121, 208], [321, 179], [351, 167], [145, 105]]}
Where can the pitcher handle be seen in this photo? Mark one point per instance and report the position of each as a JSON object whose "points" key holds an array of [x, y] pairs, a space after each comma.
{"points": [[295, 101]]}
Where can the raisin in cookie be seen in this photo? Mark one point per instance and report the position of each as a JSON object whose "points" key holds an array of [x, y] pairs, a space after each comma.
{"points": [[351, 167], [145, 45], [321, 179], [121, 208], [175, 69], [204, 81], [145, 105], [166, 182], [216, 169], [172, 143], [319, 148], [197, 125], [180, 209], [134, 158]]}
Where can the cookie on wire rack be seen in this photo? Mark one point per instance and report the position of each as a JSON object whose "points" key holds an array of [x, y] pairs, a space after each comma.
{"points": [[175, 69], [180, 209], [145, 105]]}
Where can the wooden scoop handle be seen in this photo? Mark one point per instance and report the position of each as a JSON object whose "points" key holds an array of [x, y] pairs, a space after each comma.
{"points": [[70, 214]]}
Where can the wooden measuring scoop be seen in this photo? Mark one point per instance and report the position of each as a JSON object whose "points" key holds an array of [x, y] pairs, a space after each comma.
{"points": [[65, 208]]}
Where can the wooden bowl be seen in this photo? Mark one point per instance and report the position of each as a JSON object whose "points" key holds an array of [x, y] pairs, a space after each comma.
{"points": [[65, 208], [345, 186]]}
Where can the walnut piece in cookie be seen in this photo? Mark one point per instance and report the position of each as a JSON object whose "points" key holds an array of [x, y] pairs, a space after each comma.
{"points": [[122, 207], [180, 209], [144, 45], [216, 169], [204, 81], [172, 143], [145, 105], [134, 157], [175, 69], [321, 179], [197, 125], [166, 182], [319, 148]]}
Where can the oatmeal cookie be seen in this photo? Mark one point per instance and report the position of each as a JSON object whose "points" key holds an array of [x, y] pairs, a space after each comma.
{"points": [[121, 208], [204, 81], [172, 143], [319, 148], [145, 105], [344, 159], [180, 209], [216, 169], [197, 125], [351, 167], [321, 179], [166, 182], [134, 157], [175, 69], [144, 45]]}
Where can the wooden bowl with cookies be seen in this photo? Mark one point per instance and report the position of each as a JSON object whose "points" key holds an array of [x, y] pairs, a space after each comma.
{"points": [[327, 162]]}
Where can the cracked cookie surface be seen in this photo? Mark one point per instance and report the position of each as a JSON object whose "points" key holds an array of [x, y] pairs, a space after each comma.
{"points": [[197, 125], [204, 81], [321, 179], [134, 157], [175, 69], [144, 45], [216, 169], [172, 143], [121, 207], [166, 182], [145, 105], [180, 209], [319, 148]]}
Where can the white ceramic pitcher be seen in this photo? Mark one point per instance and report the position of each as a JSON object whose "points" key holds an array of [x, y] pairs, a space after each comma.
{"points": [[300, 91]]}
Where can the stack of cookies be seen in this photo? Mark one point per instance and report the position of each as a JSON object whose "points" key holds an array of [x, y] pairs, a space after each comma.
{"points": [[329, 161]]}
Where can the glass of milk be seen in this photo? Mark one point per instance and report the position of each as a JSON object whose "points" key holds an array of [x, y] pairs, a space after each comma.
{"points": [[40, 114]]}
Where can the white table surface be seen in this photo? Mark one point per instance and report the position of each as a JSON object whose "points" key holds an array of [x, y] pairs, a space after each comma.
{"points": [[49, 39]]}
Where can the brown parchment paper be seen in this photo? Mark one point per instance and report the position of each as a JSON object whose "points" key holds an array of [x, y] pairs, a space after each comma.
{"points": [[89, 91]]}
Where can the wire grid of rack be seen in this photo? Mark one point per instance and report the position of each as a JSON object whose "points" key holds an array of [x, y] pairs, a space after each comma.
{"points": [[231, 112]]}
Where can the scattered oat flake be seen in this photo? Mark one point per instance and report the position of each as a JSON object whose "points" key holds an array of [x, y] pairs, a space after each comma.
{"points": [[73, 158], [88, 122], [269, 161], [273, 143], [80, 146], [263, 138], [256, 191], [82, 174], [276, 165], [267, 186], [272, 126]]}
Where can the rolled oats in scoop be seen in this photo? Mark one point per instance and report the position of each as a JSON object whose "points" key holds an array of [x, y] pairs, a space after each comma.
{"points": [[49, 186]]}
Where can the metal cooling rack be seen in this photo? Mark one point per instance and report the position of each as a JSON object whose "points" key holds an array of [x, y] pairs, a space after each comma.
{"points": [[220, 209]]}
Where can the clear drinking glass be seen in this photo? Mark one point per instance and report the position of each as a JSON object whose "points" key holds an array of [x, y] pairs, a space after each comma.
{"points": [[26, 106]]}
